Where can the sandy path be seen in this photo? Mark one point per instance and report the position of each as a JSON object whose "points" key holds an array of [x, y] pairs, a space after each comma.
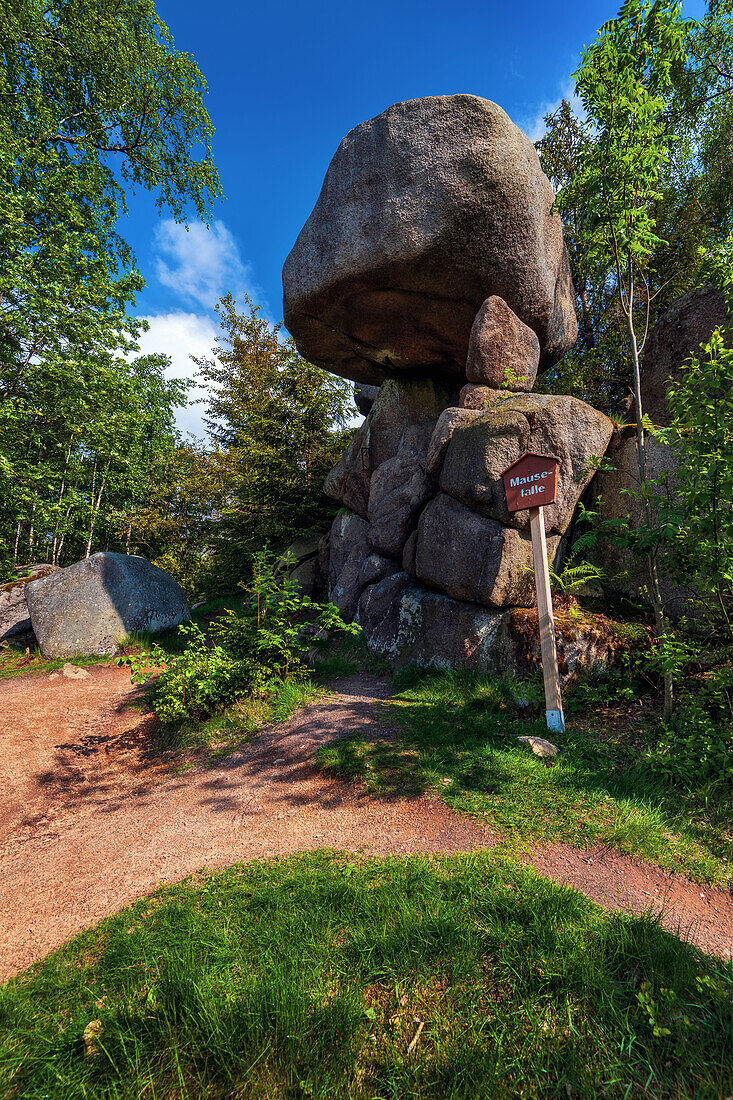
{"points": [[94, 821], [95, 829]]}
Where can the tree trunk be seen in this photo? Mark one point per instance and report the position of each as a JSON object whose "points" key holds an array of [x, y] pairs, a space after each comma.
{"points": [[656, 595], [30, 535], [63, 536], [95, 512], [60, 500]]}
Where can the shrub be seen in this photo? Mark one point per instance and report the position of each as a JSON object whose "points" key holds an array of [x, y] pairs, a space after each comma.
{"points": [[696, 748], [240, 655]]}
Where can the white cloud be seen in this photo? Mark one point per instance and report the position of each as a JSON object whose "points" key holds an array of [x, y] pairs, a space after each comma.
{"points": [[201, 264], [534, 126], [181, 335]]}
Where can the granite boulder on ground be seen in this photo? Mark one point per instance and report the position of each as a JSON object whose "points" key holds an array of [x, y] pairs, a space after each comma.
{"points": [[15, 623], [89, 607]]}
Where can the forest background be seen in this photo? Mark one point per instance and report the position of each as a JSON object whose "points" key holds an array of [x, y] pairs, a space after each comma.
{"points": [[95, 103]]}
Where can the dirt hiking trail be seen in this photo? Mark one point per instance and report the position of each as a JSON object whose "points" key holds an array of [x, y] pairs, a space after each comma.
{"points": [[92, 819]]}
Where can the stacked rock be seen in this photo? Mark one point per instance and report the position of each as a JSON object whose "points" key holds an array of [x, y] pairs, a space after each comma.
{"points": [[433, 264]]}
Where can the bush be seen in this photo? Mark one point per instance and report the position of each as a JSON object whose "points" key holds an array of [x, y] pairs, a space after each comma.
{"points": [[240, 655], [696, 749]]}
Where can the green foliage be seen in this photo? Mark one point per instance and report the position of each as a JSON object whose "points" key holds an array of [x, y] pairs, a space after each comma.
{"points": [[625, 83], [198, 680], [512, 379], [80, 442], [278, 425], [573, 578], [239, 655], [171, 524], [309, 977], [695, 750], [282, 637], [651, 74], [93, 99], [696, 518]]}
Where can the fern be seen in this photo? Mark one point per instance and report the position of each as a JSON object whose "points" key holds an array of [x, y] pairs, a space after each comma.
{"points": [[573, 577]]}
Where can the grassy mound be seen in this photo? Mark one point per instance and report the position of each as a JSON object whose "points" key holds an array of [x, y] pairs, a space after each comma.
{"points": [[329, 976]]}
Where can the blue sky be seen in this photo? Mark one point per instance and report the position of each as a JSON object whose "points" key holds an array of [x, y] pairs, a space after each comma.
{"points": [[286, 81]]}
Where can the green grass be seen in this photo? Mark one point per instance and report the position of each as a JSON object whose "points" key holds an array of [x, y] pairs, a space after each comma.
{"points": [[14, 662], [310, 977], [458, 737], [241, 720], [345, 655]]}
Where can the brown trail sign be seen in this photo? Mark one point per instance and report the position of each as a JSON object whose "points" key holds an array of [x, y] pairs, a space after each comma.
{"points": [[531, 482]]}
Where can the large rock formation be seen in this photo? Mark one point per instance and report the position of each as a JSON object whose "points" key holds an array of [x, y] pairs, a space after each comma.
{"points": [[426, 211], [617, 501], [436, 511], [92, 605], [408, 624], [677, 335], [433, 263]]}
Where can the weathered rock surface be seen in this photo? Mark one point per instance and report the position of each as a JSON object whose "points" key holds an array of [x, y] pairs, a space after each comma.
{"points": [[299, 551], [425, 212], [375, 568], [584, 643], [404, 417], [502, 350], [406, 624], [447, 423], [90, 606], [308, 576], [365, 396], [399, 491], [626, 574], [539, 746], [485, 443], [473, 558], [349, 550], [349, 480], [73, 672], [475, 396], [677, 335], [399, 426], [307, 564], [15, 623]]}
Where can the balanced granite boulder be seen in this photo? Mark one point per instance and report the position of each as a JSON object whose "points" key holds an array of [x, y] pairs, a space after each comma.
{"points": [[426, 211], [89, 607]]}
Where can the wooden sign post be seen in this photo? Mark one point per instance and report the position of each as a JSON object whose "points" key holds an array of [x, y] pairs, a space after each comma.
{"points": [[531, 482]]}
